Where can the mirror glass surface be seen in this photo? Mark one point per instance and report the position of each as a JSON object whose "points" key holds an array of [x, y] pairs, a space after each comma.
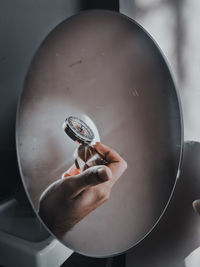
{"points": [[105, 69]]}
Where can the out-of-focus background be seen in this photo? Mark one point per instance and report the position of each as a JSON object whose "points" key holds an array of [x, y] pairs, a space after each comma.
{"points": [[174, 24]]}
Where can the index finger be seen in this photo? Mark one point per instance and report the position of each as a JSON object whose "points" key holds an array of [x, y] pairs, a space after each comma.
{"points": [[115, 162]]}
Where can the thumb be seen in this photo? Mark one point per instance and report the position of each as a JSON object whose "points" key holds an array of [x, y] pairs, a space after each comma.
{"points": [[90, 177], [196, 206]]}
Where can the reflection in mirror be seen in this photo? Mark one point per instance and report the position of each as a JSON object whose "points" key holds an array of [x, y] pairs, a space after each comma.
{"points": [[104, 70]]}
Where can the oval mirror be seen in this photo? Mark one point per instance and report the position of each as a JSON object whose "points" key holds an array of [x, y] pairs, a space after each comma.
{"points": [[104, 69]]}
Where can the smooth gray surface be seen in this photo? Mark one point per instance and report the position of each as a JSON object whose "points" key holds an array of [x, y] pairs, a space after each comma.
{"points": [[103, 66], [18, 221], [24, 241]]}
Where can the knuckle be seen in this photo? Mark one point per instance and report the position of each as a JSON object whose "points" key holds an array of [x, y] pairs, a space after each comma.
{"points": [[107, 195], [103, 194]]}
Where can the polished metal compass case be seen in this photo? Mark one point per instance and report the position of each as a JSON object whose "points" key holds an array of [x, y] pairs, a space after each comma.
{"points": [[85, 155], [78, 130]]}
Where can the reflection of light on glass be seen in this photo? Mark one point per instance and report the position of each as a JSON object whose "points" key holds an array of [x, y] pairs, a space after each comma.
{"points": [[92, 125]]}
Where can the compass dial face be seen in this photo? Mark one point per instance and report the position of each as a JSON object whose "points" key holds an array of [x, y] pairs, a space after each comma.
{"points": [[80, 130]]}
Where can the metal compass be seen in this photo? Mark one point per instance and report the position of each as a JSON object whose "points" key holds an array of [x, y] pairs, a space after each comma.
{"points": [[78, 130]]}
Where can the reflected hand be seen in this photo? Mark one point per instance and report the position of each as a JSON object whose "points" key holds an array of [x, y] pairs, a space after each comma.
{"points": [[65, 202]]}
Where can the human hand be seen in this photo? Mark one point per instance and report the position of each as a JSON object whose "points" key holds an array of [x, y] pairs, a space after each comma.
{"points": [[196, 206], [65, 202]]}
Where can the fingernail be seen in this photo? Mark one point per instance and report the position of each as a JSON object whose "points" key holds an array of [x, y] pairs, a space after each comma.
{"points": [[104, 174]]}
